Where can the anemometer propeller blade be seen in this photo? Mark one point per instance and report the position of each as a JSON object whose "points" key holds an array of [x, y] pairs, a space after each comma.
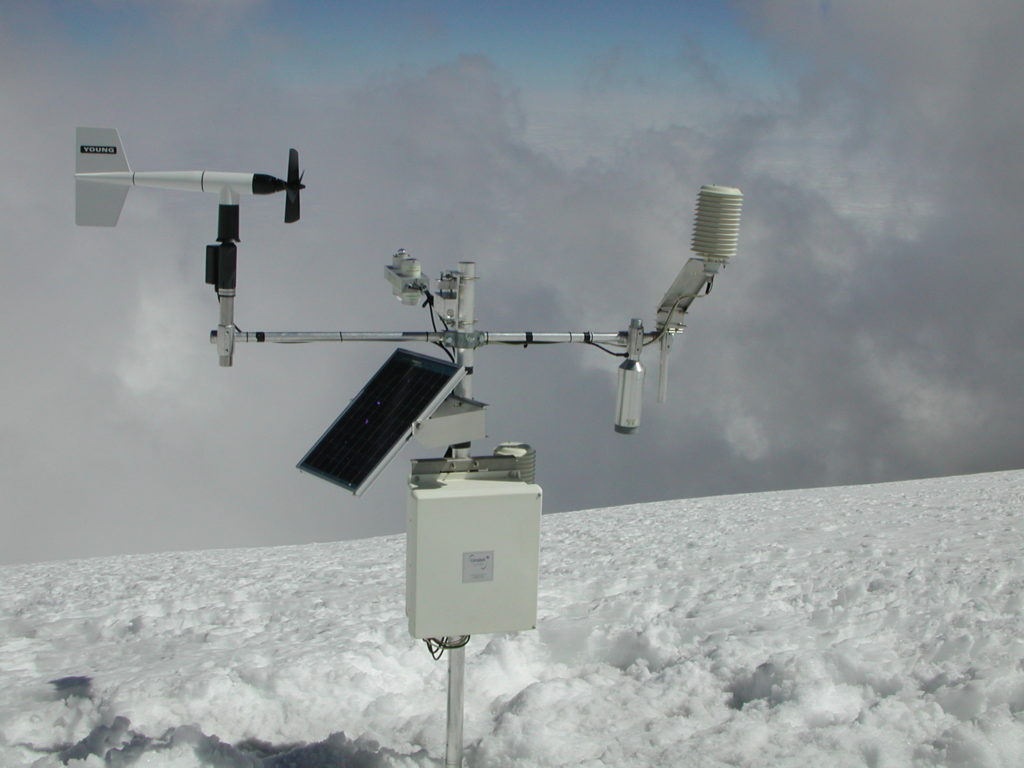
{"points": [[263, 184], [292, 187]]}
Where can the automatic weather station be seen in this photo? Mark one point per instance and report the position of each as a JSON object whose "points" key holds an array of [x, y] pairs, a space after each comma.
{"points": [[472, 522]]}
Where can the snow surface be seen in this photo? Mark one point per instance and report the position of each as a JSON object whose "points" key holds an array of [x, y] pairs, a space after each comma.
{"points": [[862, 626]]}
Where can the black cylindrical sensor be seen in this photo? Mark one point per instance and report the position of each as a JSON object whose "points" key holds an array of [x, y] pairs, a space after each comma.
{"points": [[227, 223], [227, 258], [212, 259]]}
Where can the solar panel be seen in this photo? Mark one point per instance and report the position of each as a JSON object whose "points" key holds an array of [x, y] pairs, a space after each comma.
{"points": [[407, 389]]}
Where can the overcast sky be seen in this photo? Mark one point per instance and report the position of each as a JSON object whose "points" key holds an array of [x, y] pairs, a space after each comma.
{"points": [[870, 328]]}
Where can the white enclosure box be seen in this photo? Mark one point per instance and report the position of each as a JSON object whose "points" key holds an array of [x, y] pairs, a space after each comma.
{"points": [[472, 554]]}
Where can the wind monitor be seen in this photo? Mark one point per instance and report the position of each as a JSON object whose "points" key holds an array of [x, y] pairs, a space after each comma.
{"points": [[103, 178]]}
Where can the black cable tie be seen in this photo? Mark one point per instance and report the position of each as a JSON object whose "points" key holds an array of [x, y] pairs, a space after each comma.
{"points": [[529, 339], [588, 337], [261, 336]]}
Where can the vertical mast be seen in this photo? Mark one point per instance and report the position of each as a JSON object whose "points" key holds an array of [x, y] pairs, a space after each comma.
{"points": [[465, 323]]}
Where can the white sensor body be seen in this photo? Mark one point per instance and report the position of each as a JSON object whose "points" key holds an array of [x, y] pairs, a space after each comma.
{"points": [[406, 278], [229, 186], [716, 227]]}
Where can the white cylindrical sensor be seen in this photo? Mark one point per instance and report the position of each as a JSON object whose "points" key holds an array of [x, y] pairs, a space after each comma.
{"points": [[716, 226]]}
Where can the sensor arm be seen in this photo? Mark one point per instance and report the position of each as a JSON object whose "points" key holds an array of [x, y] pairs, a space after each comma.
{"points": [[447, 338]]}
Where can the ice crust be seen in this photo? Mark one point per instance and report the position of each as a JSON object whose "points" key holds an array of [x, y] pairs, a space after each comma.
{"points": [[872, 626]]}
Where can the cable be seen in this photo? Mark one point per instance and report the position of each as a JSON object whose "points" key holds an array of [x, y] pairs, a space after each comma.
{"points": [[438, 645], [538, 343], [429, 303], [445, 349], [525, 344], [671, 312], [605, 349]]}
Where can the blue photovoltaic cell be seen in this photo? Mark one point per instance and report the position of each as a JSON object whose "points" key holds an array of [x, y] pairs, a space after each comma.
{"points": [[375, 425]]}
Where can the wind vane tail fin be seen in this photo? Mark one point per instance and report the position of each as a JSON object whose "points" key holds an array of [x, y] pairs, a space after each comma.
{"points": [[98, 202]]}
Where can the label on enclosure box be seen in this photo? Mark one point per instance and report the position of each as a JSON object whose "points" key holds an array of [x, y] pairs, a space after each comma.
{"points": [[477, 566]]}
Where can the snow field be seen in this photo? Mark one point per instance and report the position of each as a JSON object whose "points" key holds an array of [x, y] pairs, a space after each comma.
{"points": [[861, 626]]}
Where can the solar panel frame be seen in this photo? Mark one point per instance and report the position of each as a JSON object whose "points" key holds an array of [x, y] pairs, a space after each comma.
{"points": [[372, 429]]}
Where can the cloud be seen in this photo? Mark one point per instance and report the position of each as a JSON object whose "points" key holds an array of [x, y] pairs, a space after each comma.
{"points": [[868, 329]]}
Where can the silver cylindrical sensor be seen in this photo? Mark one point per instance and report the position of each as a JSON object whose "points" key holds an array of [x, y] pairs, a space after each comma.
{"points": [[631, 383], [630, 399]]}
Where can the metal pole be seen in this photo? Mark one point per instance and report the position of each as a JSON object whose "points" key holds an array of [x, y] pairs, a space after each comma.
{"points": [[303, 337], [614, 338], [466, 322], [226, 327], [456, 687]]}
